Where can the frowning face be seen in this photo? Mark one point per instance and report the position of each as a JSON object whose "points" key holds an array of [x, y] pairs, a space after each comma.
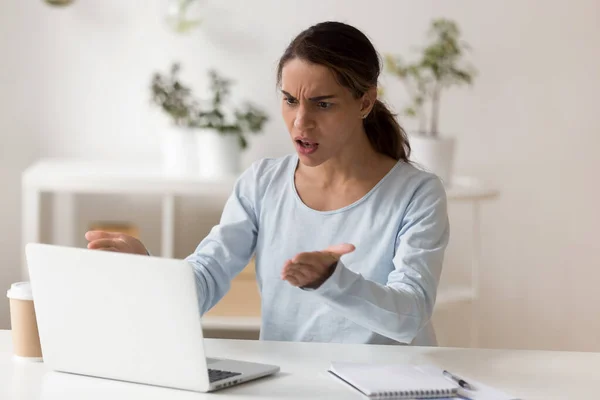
{"points": [[322, 116]]}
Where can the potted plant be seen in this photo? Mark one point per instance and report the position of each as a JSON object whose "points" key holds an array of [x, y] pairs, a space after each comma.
{"points": [[438, 68], [183, 15], [207, 136]]}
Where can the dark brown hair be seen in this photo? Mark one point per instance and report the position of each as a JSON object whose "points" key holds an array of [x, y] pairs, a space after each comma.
{"points": [[356, 65]]}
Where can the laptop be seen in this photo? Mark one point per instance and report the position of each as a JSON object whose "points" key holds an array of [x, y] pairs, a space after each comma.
{"points": [[126, 317]]}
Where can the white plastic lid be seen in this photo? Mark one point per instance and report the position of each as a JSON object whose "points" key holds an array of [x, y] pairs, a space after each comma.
{"points": [[20, 291]]}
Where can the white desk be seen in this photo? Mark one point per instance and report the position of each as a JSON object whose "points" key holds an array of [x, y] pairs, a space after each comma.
{"points": [[65, 178], [530, 375]]}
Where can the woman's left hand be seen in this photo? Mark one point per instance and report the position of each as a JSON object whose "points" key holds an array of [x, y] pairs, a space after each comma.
{"points": [[311, 269]]}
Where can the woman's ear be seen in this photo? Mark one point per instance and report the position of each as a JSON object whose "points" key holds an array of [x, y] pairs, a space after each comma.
{"points": [[368, 102]]}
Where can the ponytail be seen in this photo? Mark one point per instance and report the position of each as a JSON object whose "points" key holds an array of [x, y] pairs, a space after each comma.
{"points": [[385, 133]]}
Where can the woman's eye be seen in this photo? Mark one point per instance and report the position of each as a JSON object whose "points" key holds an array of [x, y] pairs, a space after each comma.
{"points": [[324, 105], [290, 101]]}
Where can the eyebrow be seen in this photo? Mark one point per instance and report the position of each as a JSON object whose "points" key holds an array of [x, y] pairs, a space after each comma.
{"points": [[316, 98]]}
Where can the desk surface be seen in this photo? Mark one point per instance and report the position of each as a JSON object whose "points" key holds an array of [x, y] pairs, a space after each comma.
{"points": [[531, 375], [74, 175]]}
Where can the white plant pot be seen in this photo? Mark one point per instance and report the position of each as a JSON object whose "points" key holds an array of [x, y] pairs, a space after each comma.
{"points": [[200, 152], [179, 151], [218, 154], [434, 155]]}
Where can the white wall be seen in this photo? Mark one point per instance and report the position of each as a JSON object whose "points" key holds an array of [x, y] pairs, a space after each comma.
{"points": [[75, 83]]}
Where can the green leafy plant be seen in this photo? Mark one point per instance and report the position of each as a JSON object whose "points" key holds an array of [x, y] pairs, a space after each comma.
{"points": [[176, 99], [59, 3], [439, 67], [180, 15]]}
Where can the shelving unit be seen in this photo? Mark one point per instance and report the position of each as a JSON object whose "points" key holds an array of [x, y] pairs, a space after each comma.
{"points": [[66, 178]]}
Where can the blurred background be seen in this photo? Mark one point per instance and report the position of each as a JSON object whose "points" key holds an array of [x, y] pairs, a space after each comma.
{"points": [[76, 83]]}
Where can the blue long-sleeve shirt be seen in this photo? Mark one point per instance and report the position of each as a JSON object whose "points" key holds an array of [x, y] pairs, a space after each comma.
{"points": [[382, 293]]}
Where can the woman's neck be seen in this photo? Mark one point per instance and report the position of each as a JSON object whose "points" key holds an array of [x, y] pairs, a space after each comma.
{"points": [[356, 162]]}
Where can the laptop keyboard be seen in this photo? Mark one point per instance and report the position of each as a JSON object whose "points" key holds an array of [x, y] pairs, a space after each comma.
{"points": [[216, 374]]}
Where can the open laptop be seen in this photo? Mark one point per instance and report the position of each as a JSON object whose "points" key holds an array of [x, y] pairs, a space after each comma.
{"points": [[126, 317]]}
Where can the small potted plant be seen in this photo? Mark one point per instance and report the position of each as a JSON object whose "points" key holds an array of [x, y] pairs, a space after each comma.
{"points": [[207, 136], [438, 68]]}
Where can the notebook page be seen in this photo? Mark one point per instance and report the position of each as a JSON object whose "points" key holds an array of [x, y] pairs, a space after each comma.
{"points": [[372, 379]]}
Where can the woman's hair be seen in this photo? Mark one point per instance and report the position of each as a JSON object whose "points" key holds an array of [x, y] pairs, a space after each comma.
{"points": [[356, 65]]}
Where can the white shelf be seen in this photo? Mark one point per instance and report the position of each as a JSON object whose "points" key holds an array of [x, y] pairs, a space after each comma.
{"points": [[232, 323], [80, 176], [468, 188], [65, 178], [454, 295]]}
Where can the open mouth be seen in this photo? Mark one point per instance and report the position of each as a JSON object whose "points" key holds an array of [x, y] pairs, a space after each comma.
{"points": [[306, 144]]}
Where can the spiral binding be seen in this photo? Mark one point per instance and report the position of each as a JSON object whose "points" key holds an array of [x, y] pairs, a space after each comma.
{"points": [[429, 393]]}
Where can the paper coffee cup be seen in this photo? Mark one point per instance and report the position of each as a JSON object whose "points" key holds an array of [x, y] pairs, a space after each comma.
{"points": [[26, 339]]}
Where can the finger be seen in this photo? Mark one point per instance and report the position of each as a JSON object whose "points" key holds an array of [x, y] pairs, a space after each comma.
{"points": [[316, 258], [295, 278], [290, 267], [110, 249], [284, 270], [292, 280], [95, 235], [304, 274], [104, 243], [339, 250]]}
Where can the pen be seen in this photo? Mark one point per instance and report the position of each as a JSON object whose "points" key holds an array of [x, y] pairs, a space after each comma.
{"points": [[461, 382]]}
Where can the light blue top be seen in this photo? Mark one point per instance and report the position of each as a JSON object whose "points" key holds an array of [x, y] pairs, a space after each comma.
{"points": [[382, 293]]}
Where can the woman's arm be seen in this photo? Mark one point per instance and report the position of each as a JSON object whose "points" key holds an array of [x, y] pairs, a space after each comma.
{"points": [[402, 307], [229, 246]]}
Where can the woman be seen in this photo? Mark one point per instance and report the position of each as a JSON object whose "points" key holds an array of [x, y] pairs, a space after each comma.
{"points": [[349, 237]]}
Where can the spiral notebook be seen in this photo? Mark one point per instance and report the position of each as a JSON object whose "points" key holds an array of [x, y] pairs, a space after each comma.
{"points": [[394, 381]]}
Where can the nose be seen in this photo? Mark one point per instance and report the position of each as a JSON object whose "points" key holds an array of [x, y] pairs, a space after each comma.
{"points": [[303, 119]]}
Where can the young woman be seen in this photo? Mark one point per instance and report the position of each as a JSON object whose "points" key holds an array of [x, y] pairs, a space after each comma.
{"points": [[349, 237]]}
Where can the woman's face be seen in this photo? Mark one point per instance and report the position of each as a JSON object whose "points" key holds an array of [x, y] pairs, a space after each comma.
{"points": [[322, 117]]}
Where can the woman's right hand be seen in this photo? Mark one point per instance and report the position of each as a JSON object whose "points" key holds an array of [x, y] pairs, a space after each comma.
{"points": [[114, 241]]}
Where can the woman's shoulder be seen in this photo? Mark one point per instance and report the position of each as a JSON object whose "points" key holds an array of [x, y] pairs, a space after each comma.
{"points": [[263, 172], [409, 178], [270, 165]]}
